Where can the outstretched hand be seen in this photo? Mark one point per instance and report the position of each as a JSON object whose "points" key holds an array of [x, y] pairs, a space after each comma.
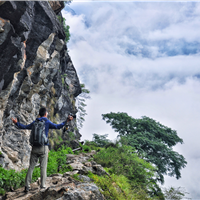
{"points": [[70, 118], [14, 120]]}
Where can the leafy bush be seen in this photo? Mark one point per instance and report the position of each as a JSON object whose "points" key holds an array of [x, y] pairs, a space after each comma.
{"points": [[124, 161], [101, 140], [92, 145], [118, 187], [11, 178], [57, 160], [86, 149]]}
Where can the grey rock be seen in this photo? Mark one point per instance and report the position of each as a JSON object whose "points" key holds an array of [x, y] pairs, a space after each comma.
{"points": [[71, 173], [52, 175], [58, 188], [99, 170], [88, 164], [85, 178], [76, 166], [33, 60], [84, 191]]}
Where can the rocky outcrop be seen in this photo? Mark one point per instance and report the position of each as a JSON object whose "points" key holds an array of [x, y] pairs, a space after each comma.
{"points": [[57, 6], [58, 188], [36, 71], [81, 164], [65, 187]]}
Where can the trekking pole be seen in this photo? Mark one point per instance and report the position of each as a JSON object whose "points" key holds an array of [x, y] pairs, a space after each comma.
{"points": [[80, 148]]}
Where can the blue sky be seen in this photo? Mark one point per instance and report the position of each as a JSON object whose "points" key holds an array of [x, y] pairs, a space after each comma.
{"points": [[143, 59]]}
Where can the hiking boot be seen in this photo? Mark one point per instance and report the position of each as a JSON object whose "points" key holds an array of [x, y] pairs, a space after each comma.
{"points": [[26, 190], [42, 187]]}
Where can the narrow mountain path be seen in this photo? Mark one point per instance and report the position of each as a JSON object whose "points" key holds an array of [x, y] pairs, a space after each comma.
{"points": [[64, 186]]}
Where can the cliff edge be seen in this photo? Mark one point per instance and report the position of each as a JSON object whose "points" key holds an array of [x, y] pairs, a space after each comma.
{"points": [[36, 70]]}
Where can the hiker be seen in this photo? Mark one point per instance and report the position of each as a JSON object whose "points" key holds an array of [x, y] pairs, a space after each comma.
{"points": [[40, 152]]}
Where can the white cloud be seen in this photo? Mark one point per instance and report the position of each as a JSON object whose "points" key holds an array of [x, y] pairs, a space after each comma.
{"points": [[158, 78], [81, 1]]}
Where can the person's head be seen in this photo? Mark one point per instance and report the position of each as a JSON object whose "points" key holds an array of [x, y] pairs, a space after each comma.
{"points": [[42, 112]]}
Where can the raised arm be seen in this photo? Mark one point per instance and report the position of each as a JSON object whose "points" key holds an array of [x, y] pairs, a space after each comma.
{"points": [[56, 126], [22, 126]]}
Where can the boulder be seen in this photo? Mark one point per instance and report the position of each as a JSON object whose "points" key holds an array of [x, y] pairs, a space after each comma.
{"points": [[76, 166]]}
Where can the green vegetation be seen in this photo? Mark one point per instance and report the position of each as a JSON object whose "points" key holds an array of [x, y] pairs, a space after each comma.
{"points": [[65, 27], [71, 136], [86, 149], [63, 79], [101, 140], [136, 163], [123, 160], [10, 178], [56, 163], [75, 176], [55, 138], [81, 106], [57, 160], [118, 187], [131, 178], [98, 142], [152, 141], [175, 193], [92, 145]]}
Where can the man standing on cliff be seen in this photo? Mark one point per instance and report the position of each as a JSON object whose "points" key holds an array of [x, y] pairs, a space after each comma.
{"points": [[40, 152]]}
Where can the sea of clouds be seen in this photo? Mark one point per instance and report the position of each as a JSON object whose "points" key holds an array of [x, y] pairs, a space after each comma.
{"points": [[143, 59]]}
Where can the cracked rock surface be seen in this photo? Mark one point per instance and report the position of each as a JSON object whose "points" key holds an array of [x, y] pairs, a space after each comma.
{"points": [[62, 189], [36, 70]]}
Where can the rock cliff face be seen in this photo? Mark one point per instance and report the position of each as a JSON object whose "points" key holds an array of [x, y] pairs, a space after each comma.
{"points": [[35, 71]]}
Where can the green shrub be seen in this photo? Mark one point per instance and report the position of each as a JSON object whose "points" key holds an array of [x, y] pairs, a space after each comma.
{"points": [[122, 160], [57, 160], [86, 149], [75, 176], [11, 178], [92, 145], [118, 188], [101, 140], [66, 168], [71, 136]]}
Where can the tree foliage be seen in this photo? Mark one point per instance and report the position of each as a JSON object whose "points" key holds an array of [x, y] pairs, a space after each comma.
{"points": [[100, 140], [80, 102], [152, 140], [172, 193]]}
